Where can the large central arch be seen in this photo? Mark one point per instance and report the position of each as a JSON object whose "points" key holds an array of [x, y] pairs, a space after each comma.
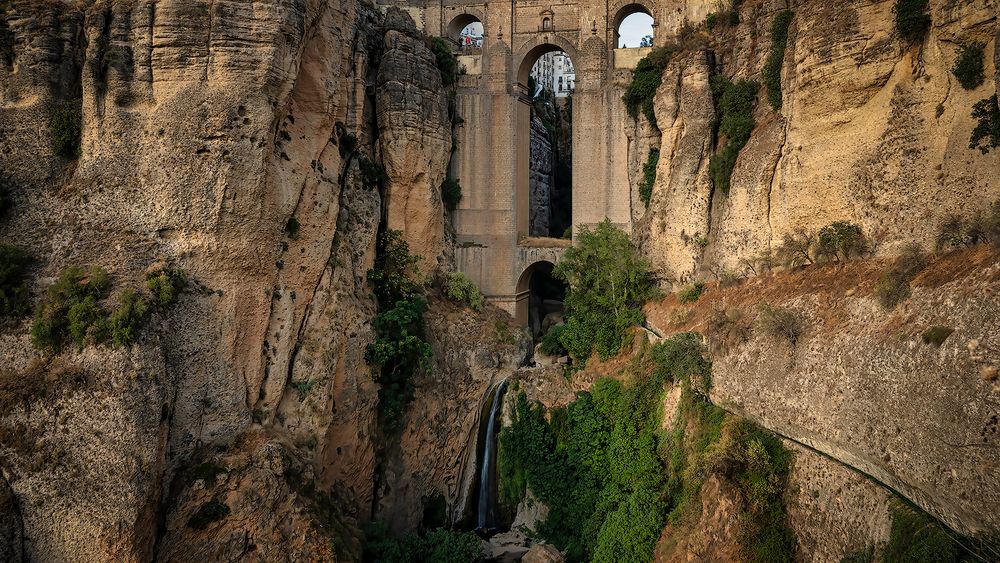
{"points": [[528, 55]]}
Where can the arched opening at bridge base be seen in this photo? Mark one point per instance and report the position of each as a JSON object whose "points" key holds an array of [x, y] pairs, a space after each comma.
{"points": [[633, 27], [540, 299], [547, 80]]}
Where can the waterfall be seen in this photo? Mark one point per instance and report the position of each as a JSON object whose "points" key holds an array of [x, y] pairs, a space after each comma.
{"points": [[486, 509]]}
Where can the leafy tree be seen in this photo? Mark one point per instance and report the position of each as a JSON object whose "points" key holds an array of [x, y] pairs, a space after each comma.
{"points": [[986, 135], [439, 545], [649, 176], [71, 310], [165, 284], [460, 288], [394, 275], [127, 320], [608, 282], [447, 63], [841, 240], [451, 193]]}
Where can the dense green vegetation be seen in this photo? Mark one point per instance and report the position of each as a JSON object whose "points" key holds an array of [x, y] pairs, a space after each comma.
{"points": [[646, 78], [460, 288], [440, 545], [451, 193], [611, 476], [986, 135], [776, 58], [165, 284], [447, 63], [66, 124], [841, 240], [691, 293], [648, 176], [607, 284], [912, 18], [734, 116], [14, 263], [969, 68], [400, 350]]}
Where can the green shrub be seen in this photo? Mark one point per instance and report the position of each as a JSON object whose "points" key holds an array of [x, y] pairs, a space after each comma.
{"points": [[968, 67], [441, 544], [166, 284], [776, 58], [936, 335], [66, 125], [211, 511], [400, 349], [460, 288], [779, 322], [734, 116], [14, 292], [797, 249], [646, 79], [372, 173], [915, 536], [447, 63], [292, 227], [550, 345], [71, 310], [711, 20], [842, 240], [691, 293], [986, 134], [608, 282], [127, 320], [451, 193], [649, 176], [912, 18], [893, 286]]}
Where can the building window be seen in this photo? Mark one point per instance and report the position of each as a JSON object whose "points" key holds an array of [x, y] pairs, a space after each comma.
{"points": [[546, 24]]}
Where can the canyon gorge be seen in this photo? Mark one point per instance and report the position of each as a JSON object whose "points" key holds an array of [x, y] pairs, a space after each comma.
{"points": [[316, 280]]}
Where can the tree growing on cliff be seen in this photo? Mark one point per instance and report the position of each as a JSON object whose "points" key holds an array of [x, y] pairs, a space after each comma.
{"points": [[607, 285], [912, 18], [986, 135]]}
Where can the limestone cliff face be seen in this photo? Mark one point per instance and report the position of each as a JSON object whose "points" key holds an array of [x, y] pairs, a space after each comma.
{"points": [[540, 179], [872, 130], [414, 138]]}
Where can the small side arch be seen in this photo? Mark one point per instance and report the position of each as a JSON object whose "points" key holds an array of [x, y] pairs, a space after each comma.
{"points": [[459, 22], [538, 295], [624, 9]]}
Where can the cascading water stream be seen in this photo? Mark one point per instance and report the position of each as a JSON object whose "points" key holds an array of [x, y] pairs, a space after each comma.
{"points": [[486, 508]]}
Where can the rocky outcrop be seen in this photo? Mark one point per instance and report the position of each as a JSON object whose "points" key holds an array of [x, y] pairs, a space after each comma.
{"points": [[414, 137], [873, 131], [436, 453], [866, 386], [540, 179]]}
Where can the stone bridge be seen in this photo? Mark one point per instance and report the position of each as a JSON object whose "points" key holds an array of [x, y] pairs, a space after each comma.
{"points": [[492, 154]]}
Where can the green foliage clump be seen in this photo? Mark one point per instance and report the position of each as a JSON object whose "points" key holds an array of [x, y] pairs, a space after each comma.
{"points": [[691, 293], [891, 289], [646, 78], [842, 240], [71, 310], [936, 335], [776, 58], [451, 193], [649, 176], [734, 116], [447, 63], [66, 125], [400, 350], [292, 227], [711, 20], [211, 511], [956, 232], [165, 284], [779, 322], [127, 320], [439, 545], [915, 536], [460, 288], [372, 173], [14, 263], [912, 18], [607, 284], [986, 134], [550, 345], [968, 67]]}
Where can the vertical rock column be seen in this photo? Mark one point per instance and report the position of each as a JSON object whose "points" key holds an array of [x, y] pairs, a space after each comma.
{"points": [[540, 179]]}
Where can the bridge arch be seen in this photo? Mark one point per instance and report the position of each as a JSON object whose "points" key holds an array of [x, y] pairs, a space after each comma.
{"points": [[539, 294], [529, 53], [460, 21], [625, 8]]}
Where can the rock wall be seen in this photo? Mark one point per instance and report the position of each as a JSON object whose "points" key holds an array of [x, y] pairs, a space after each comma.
{"points": [[862, 384], [873, 130], [540, 180]]}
